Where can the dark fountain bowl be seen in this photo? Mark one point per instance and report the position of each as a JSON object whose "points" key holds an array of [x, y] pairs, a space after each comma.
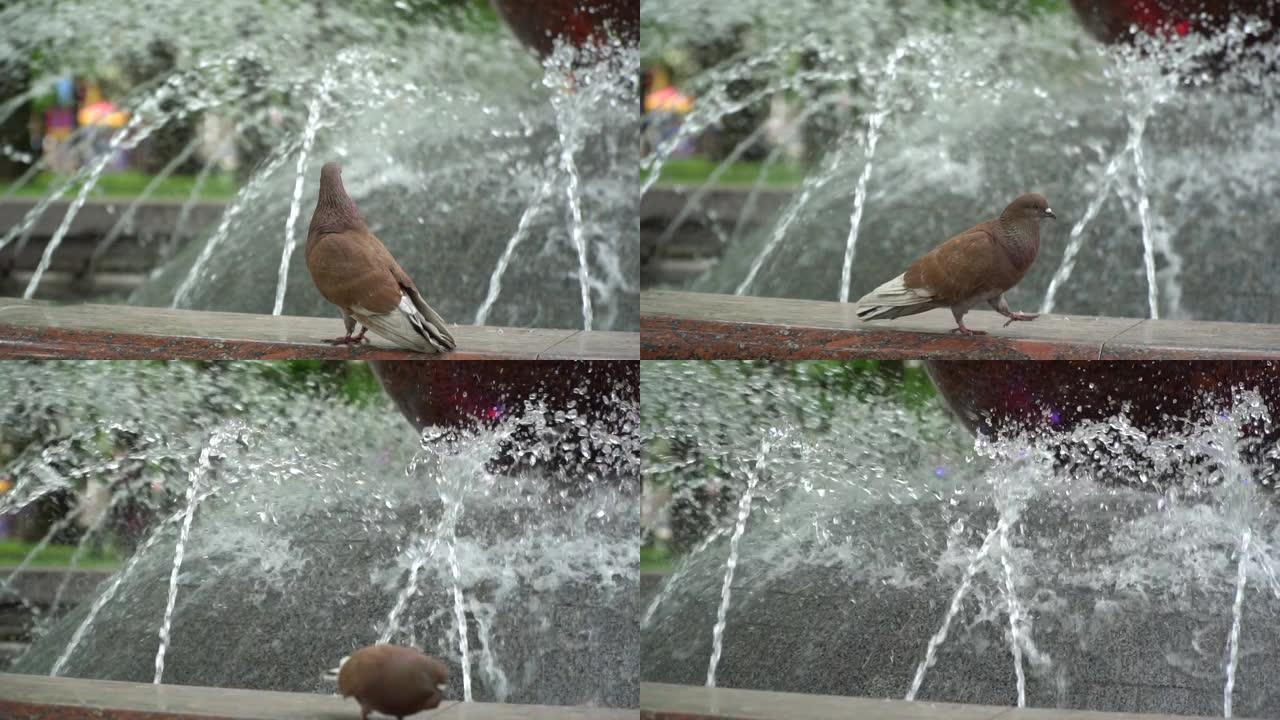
{"points": [[539, 24], [462, 395], [1115, 21], [992, 397]]}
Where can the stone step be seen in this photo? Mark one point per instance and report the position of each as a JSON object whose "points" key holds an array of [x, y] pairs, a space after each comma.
{"points": [[686, 326], [118, 332], [659, 701], [32, 697]]}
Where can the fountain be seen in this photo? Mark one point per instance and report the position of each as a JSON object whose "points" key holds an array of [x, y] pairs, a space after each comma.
{"points": [[270, 528], [885, 552], [1156, 152], [463, 151]]}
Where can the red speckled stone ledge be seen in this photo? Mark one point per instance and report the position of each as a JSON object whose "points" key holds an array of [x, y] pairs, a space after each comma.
{"points": [[684, 702], [35, 697], [703, 326], [35, 329]]}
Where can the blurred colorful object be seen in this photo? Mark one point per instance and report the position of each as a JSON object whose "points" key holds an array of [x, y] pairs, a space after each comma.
{"points": [[97, 110], [59, 123], [65, 90], [668, 99], [5, 486], [103, 113], [539, 23]]}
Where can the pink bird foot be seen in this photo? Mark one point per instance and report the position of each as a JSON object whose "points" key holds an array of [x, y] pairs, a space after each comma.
{"points": [[966, 331], [1013, 317]]}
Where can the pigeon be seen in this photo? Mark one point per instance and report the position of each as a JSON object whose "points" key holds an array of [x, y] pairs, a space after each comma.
{"points": [[392, 680], [981, 263], [354, 270]]}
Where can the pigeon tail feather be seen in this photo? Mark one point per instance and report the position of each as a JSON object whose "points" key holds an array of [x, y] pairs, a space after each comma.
{"points": [[407, 327], [894, 299], [332, 673], [433, 326]]}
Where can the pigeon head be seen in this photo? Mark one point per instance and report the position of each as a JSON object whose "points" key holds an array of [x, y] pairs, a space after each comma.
{"points": [[335, 210], [1032, 206]]}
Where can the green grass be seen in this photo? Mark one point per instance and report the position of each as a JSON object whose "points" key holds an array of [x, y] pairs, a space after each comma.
{"points": [[129, 184], [656, 558], [695, 171], [13, 552]]}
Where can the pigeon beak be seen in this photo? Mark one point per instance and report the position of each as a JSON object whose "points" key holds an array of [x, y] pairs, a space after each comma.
{"points": [[442, 687], [1048, 212]]}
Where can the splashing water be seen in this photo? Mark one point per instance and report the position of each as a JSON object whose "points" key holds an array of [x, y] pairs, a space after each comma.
{"points": [[1075, 239], [460, 617], [495, 677], [522, 229], [811, 185], [948, 557], [1144, 216], [1237, 609], [1015, 614], [674, 581], [108, 240], [198, 474], [451, 494], [318, 104], [940, 637], [322, 510], [181, 295], [570, 144], [974, 123], [108, 594], [744, 511], [421, 554], [874, 120]]}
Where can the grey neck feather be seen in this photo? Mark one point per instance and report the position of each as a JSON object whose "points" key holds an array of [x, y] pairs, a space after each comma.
{"points": [[335, 210]]}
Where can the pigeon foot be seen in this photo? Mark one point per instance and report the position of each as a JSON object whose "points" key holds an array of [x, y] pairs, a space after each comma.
{"points": [[347, 340], [350, 339], [1014, 317]]}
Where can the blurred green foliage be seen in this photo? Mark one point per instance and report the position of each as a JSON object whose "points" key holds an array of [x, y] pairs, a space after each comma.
{"points": [[696, 170], [656, 557], [352, 381], [1025, 8], [130, 183], [14, 552]]}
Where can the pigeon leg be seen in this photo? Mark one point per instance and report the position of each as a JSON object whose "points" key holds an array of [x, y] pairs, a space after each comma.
{"points": [[364, 711], [349, 339], [1002, 306], [959, 316], [1019, 316]]}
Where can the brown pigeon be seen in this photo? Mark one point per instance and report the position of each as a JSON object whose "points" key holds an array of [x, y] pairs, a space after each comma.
{"points": [[392, 680], [979, 264], [354, 270]]}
